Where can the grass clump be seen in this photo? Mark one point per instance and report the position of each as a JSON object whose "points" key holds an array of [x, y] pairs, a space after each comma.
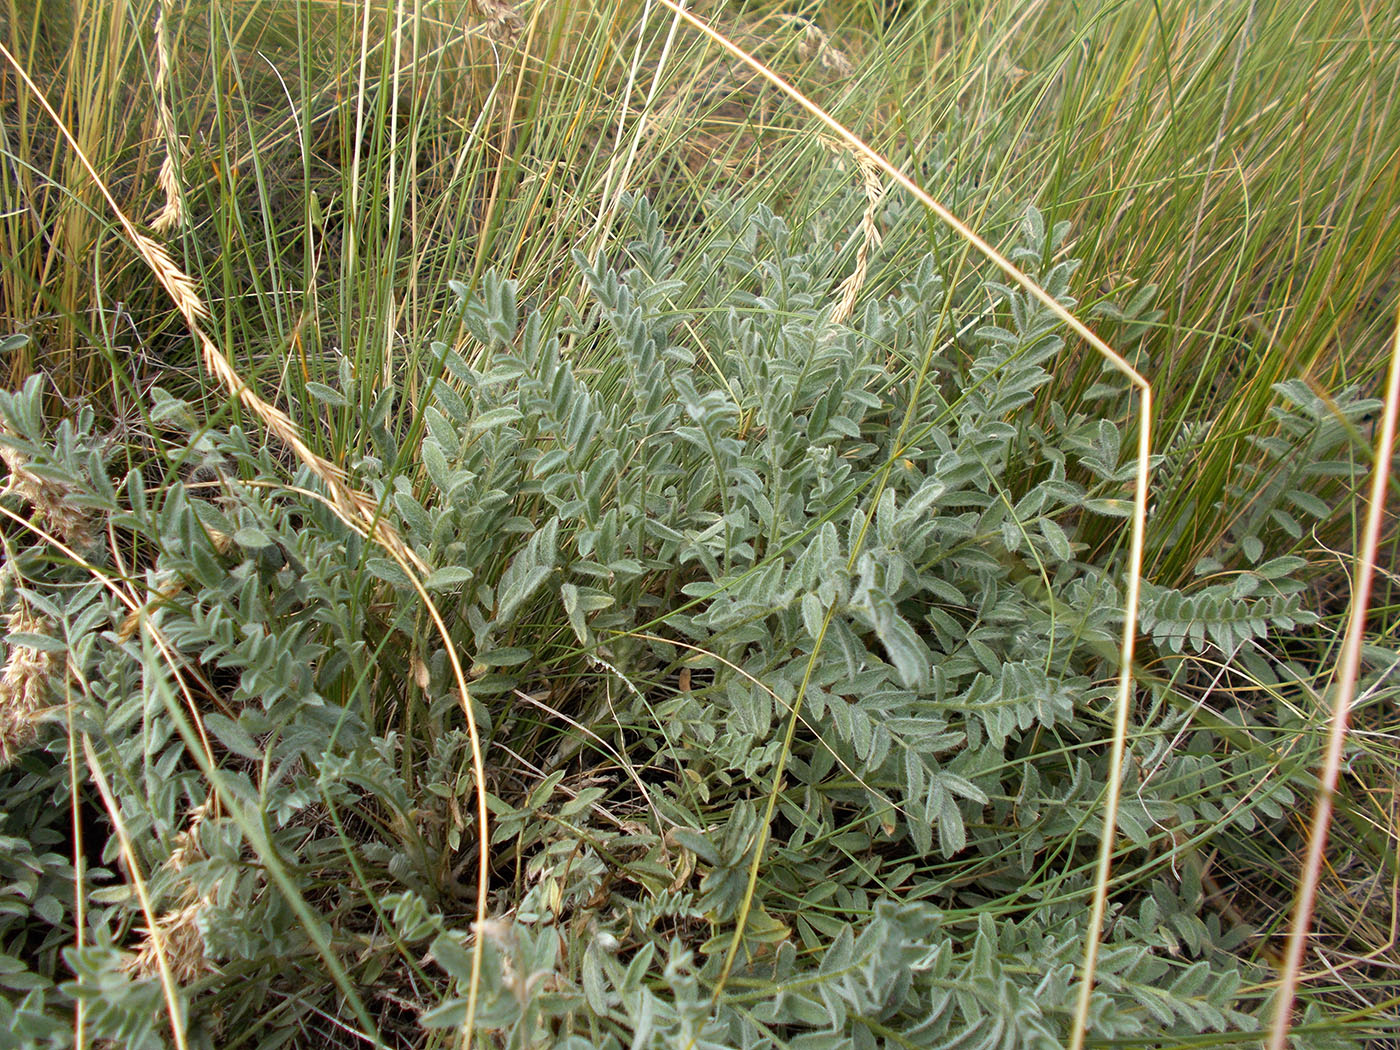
{"points": [[644, 472]]}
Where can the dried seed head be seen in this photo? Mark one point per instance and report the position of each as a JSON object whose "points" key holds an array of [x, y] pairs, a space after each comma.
{"points": [[503, 24], [815, 43], [187, 846], [177, 284], [50, 500], [23, 689], [870, 231], [178, 935], [172, 212]]}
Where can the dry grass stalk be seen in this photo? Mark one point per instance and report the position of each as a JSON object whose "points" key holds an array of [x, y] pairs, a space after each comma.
{"points": [[1344, 689], [160, 953], [172, 213], [870, 231], [24, 688], [356, 504], [351, 501]]}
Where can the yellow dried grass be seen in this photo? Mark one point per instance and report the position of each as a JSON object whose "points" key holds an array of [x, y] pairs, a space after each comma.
{"points": [[159, 949], [1344, 689]]}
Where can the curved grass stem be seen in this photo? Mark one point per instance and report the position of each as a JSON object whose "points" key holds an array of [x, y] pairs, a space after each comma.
{"points": [[1344, 689]]}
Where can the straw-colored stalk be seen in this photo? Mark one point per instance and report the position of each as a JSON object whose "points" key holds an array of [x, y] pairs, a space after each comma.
{"points": [[478, 762], [159, 954], [1343, 690], [355, 503], [619, 171]]}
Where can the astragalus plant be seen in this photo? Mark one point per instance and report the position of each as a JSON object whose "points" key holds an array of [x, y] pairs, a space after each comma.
{"points": [[696, 543]]}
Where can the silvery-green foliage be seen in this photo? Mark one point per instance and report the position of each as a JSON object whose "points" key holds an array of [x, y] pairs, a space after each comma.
{"points": [[1309, 462], [658, 518], [35, 902]]}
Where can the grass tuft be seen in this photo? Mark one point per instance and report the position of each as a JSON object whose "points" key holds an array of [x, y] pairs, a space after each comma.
{"points": [[353, 211]]}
